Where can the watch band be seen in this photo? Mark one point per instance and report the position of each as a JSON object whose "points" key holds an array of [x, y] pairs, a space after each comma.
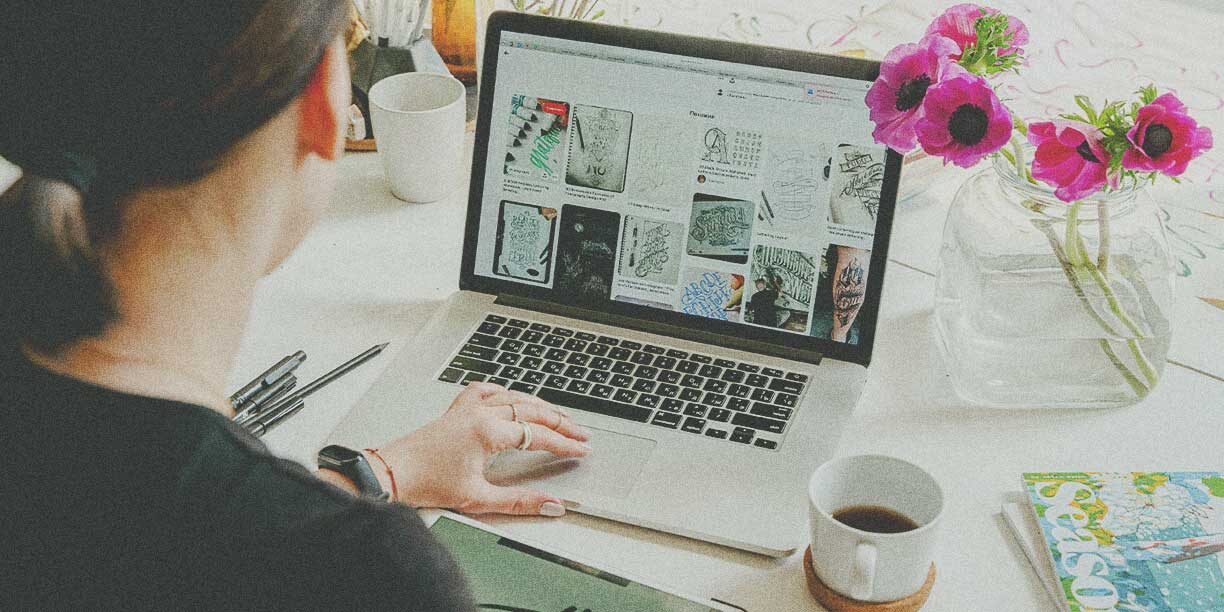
{"points": [[354, 466]]}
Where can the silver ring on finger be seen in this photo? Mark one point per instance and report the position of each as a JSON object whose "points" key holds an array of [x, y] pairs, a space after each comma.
{"points": [[526, 443]]}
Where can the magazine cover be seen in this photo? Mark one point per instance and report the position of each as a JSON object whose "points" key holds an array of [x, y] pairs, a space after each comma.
{"points": [[1133, 541]]}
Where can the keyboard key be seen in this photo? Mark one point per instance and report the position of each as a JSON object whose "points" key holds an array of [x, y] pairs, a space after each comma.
{"points": [[619, 353], [724, 363], [552, 340], [669, 420], [519, 323], [510, 332], [716, 433], [787, 400], [598, 376], [648, 372], [533, 378], [688, 367], [597, 349], [748, 367], [774, 372], [763, 395], [667, 390], [669, 376], [523, 387], [576, 372], [561, 331], [739, 390], [478, 352], [691, 381], [495, 319], [797, 377], [631, 345], [622, 367], [511, 372], [756, 380], [488, 328], [700, 358], [770, 410], [642, 358], [734, 376], [578, 359], [508, 358], [758, 422], [743, 435], [476, 365], [693, 425], [484, 340], [715, 385], [553, 367], [766, 443], [738, 404], [578, 386], [574, 344], [556, 354], [540, 328], [472, 377], [531, 363], [531, 336], [710, 371], [608, 341], [720, 414], [497, 380], [714, 399], [696, 410], [664, 363], [785, 386], [596, 405], [648, 401], [620, 380], [602, 391], [555, 382], [654, 350], [451, 375], [625, 395], [671, 405], [512, 346], [644, 385], [585, 336], [600, 363], [677, 354], [533, 350], [690, 395]]}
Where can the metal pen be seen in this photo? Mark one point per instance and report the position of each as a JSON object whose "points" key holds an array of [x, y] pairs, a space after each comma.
{"points": [[269, 377]]}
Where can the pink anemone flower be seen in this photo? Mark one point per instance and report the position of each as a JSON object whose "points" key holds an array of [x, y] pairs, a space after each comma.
{"points": [[1070, 158], [963, 121], [1164, 138], [958, 24], [895, 99]]}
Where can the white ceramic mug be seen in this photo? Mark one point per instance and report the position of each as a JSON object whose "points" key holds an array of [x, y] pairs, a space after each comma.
{"points": [[863, 565], [418, 120]]}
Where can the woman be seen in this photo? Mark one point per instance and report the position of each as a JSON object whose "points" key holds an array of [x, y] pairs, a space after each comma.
{"points": [[172, 153]]}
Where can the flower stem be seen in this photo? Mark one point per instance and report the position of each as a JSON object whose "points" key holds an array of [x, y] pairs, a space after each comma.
{"points": [[1103, 247], [1071, 241], [1115, 307]]}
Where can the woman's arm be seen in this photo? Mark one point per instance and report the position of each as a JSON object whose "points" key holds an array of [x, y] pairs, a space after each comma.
{"points": [[849, 287]]}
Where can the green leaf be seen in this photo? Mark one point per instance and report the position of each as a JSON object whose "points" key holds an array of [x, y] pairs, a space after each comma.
{"points": [[1021, 126]]}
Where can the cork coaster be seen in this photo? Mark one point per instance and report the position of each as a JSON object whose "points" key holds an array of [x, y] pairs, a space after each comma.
{"points": [[836, 602]]}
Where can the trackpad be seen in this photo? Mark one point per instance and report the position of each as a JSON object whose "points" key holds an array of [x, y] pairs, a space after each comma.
{"points": [[610, 470]]}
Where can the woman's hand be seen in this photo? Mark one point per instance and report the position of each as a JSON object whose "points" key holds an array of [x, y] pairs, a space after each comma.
{"points": [[442, 465]]}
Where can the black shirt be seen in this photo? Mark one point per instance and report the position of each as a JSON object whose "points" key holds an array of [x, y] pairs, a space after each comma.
{"points": [[763, 307], [111, 501]]}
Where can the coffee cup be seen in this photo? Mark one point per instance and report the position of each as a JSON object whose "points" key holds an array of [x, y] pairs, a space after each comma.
{"points": [[873, 524], [419, 120]]}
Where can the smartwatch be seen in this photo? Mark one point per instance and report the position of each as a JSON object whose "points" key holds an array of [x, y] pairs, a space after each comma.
{"points": [[353, 465]]}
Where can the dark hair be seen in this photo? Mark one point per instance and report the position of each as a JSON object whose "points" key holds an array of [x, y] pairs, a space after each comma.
{"points": [[101, 99]]}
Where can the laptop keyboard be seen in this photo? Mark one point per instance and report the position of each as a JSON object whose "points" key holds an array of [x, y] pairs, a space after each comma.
{"points": [[719, 398]]}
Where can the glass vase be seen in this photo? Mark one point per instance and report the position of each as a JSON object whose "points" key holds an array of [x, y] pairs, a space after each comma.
{"points": [[1041, 303]]}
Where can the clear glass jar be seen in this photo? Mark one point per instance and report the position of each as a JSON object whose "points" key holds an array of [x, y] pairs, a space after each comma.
{"points": [[1023, 321]]}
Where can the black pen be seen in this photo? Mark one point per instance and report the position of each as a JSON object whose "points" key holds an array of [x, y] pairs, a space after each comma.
{"points": [[271, 412], [265, 397], [261, 427], [268, 378]]}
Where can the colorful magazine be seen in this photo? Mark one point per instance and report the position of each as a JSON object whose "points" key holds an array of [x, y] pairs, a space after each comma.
{"points": [[1133, 541]]}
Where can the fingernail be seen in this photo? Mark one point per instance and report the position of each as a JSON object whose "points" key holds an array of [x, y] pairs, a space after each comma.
{"points": [[552, 509]]}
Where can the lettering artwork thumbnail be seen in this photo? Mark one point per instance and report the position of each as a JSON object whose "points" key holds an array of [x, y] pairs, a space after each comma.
{"points": [[650, 250], [857, 176], [586, 253], [599, 148], [535, 145], [711, 294], [524, 247], [780, 289], [720, 228]]}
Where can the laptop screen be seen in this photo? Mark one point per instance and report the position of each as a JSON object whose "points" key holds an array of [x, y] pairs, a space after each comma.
{"points": [[744, 198]]}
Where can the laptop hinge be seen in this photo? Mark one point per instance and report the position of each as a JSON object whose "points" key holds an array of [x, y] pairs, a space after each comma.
{"points": [[663, 329]]}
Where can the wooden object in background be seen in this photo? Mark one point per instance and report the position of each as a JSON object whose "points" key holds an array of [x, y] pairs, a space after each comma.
{"points": [[836, 602]]}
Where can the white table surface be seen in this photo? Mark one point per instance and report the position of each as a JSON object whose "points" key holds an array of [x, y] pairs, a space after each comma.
{"points": [[375, 269]]}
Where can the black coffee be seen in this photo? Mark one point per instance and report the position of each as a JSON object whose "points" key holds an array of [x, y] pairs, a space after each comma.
{"points": [[876, 519]]}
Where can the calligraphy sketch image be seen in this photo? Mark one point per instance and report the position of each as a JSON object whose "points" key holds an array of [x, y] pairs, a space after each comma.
{"points": [[536, 137], [650, 250], [720, 228], [795, 194], [599, 148], [856, 177], [737, 148], [586, 253], [840, 292], [711, 294], [661, 156], [524, 247], [780, 286]]}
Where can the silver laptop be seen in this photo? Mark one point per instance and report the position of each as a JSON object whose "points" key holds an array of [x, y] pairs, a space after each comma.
{"points": [[683, 242]]}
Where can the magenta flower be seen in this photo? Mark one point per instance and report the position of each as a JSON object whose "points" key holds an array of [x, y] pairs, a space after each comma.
{"points": [[1165, 138], [895, 99], [963, 121], [1070, 157], [957, 23]]}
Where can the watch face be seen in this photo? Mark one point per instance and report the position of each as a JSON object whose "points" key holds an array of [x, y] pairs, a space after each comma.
{"points": [[338, 454]]}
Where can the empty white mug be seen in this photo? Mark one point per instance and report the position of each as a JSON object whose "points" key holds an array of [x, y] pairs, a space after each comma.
{"points": [[865, 565], [418, 120]]}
